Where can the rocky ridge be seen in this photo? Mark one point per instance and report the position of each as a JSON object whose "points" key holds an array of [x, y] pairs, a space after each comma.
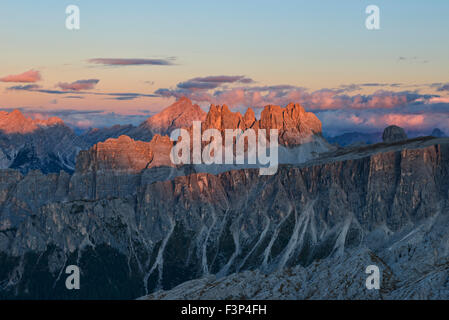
{"points": [[155, 232], [299, 137], [295, 125]]}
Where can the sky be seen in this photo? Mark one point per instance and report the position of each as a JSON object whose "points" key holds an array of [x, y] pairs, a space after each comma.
{"points": [[130, 59]]}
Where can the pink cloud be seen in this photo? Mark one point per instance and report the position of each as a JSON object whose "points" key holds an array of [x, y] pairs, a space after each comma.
{"points": [[338, 121], [26, 77], [259, 96], [409, 121], [439, 100], [84, 123]]}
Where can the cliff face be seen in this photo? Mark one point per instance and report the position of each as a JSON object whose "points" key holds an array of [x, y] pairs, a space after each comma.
{"points": [[162, 226], [125, 155]]}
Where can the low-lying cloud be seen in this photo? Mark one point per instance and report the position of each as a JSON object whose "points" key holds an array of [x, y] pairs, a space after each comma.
{"points": [[340, 109], [83, 119]]}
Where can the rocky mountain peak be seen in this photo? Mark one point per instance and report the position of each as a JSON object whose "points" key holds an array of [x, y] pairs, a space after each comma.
{"points": [[221, 118], [15, 122], [437, 133], [180, 114], [393, 134], [295, 125], [249, 118]]}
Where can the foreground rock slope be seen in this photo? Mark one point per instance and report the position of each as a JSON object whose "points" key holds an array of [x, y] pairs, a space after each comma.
{"points": [[136, 233]]}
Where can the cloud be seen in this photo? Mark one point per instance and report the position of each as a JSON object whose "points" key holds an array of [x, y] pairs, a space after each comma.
{"points": [[74, 97], [84, 124], [340, 109], [132, 62], [441, 87], [116, 95], [209, 90], [126, 98], [79, 85], [212, 82], [412, 60], [26, 77], [194, 86], [340, 121], [83, 118], [28, 87], [127, 95]]}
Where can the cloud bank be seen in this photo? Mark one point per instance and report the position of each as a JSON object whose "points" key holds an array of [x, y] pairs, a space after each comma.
{"points": [[340, 109]]}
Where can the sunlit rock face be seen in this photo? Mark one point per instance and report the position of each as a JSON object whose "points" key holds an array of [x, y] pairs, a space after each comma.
{"points": [[125, 154], [16, 122], [178, 115], [294, 124], [181, 114]]}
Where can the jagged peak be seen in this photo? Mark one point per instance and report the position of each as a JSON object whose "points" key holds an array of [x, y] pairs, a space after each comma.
{"points": [[179, 114], [295, 124], [249, 114], [16, 122]]}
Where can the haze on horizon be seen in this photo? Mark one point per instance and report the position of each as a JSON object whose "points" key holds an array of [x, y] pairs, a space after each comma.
{"points": [[130, 60]]}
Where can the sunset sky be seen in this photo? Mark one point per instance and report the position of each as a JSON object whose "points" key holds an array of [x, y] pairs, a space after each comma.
{"points": [[132, 58]]}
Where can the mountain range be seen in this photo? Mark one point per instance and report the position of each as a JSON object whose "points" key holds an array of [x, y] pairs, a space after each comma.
{"points": [[139, 226], [50, 145]]}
